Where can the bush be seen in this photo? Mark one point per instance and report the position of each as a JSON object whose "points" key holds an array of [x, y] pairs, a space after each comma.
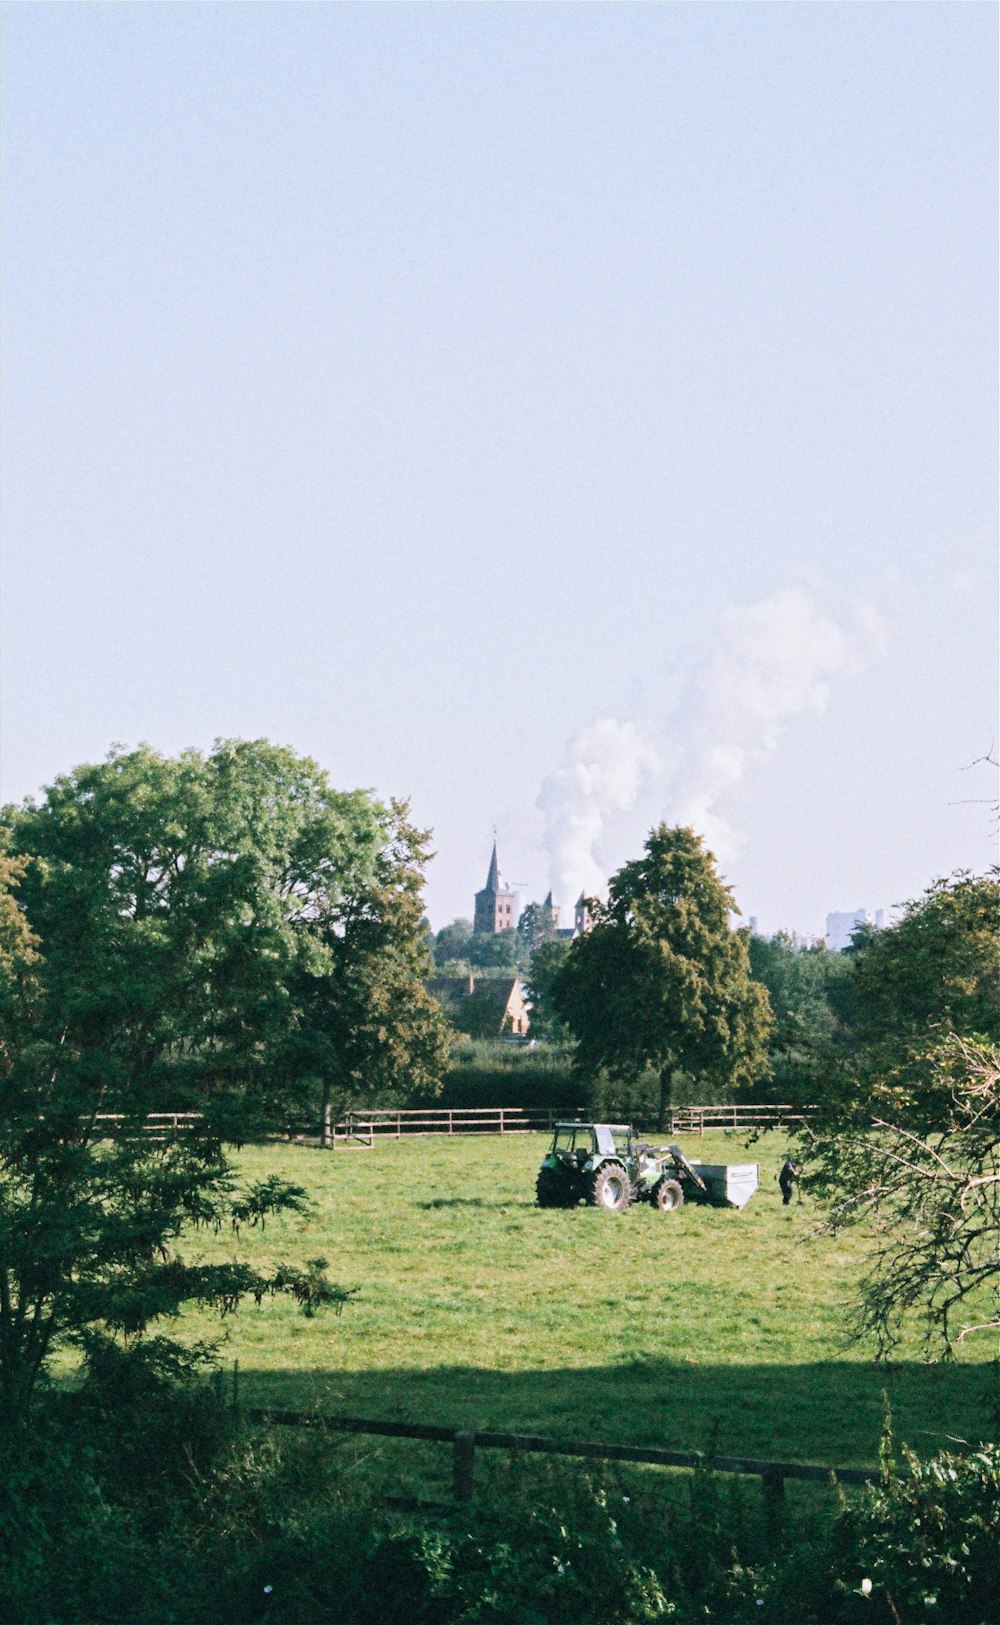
{"points": [[140, 1500], [545, 1549], [925, 1546], [492, 1073]]}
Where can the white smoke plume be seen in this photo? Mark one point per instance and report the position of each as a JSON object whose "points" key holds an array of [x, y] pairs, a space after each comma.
{"points": [[775, 660], [606, 767]]}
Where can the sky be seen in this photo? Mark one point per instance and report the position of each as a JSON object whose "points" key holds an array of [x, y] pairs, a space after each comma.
{"points": [[567, 417]]}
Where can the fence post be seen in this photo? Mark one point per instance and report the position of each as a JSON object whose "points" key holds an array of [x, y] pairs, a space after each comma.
{"points": [[501, 1119], [773, 1481], [464, 1464], [324, 1138]]}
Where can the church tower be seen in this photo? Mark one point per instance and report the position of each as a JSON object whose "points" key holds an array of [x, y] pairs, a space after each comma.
{"points": [[494, 904]]}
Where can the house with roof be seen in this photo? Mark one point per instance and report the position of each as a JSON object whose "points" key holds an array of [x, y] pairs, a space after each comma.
{"points": [[492, 1007]]}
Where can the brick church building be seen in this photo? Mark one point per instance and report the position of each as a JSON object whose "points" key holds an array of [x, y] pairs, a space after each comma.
{"points": [[495, 904]]}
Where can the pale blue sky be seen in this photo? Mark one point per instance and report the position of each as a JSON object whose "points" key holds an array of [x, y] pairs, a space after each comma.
{"points": [[420, 386]]}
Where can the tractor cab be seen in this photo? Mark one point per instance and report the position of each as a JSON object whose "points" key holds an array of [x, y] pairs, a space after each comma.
{"points": [[577, 1144]]}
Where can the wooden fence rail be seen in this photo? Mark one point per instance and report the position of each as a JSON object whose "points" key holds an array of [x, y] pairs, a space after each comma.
{"points": [[368, 1126], [696, 1119], [154, 1122], [466, 1441]]}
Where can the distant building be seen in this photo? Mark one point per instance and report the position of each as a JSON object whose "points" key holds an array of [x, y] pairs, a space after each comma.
{"points": [[494, 1007], [550, 913], [496, 906], [841, 927], [582, 921]]}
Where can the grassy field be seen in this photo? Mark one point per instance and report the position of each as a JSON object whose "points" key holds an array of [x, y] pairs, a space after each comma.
{"points": [[477, 1308]]}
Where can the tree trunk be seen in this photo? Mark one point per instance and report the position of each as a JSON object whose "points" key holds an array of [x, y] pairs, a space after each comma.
{"points": [[324, 1124], [666, 1090]]}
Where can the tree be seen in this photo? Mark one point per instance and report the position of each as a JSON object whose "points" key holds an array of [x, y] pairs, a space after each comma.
{"points": [[940, 962], [452, 942], [907, 1141], [546, 963], [181, 902], [373, 1027], [806, 989], [930, 1198], [501, 950], [661, 980], [537, 924], [935, 972], [171, 931]]}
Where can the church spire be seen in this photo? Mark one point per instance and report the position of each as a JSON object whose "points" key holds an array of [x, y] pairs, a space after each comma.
{"points": [[493, 878], [495, 904]]}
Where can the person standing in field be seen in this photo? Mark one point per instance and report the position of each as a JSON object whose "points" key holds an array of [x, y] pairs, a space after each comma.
{"points": [[786, 1179]]}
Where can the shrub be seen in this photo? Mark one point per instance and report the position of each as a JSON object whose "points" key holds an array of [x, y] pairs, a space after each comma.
{"points": [[926, 1545], [140, 1500]]}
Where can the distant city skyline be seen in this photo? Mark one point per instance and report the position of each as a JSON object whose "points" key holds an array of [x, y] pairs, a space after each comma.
{"points": [[565, 417]]}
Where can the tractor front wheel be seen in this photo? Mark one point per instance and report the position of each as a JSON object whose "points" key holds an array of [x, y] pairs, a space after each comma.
{"points": [[668, 1195], [610, 1188]]}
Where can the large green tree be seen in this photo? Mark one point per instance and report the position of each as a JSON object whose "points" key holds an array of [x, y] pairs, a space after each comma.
{"points": [[451, 943], [177, 931], [907, 1143], [808, 986], [934, 973], [928, 1198], [546, 963], [181, 903], [372, 1028], [662, 980]]}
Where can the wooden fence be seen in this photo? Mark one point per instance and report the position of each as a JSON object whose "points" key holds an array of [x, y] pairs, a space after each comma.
{"points": [[372, 1125], [155, 1124], [466, 1441], [696, 1119], [366, 1127]]}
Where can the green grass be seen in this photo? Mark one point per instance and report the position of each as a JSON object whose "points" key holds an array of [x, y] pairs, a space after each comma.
{"points": [[477, 1308]]}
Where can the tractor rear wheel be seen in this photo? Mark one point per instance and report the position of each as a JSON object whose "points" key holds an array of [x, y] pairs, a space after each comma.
{"points": [[552, 1190], [610, 1188], [668, 1195]]}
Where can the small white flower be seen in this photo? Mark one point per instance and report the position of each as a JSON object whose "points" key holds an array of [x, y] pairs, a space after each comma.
{"points": [[866, 1588], [268, 1590], [560, 1568]]}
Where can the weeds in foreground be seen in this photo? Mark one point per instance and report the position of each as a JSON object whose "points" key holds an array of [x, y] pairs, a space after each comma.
{"points": [[142, 1500]]}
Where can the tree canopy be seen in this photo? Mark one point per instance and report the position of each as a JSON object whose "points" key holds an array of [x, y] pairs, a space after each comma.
{"points": [[939, 963], [907, 1142], [661, 980], [934, 972], [179, 902], [546, 963], [371, 1026], [201, 931], [808, 986]]}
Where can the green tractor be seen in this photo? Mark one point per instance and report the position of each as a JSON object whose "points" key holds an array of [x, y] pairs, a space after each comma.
{"points": [[605, 1165]]}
